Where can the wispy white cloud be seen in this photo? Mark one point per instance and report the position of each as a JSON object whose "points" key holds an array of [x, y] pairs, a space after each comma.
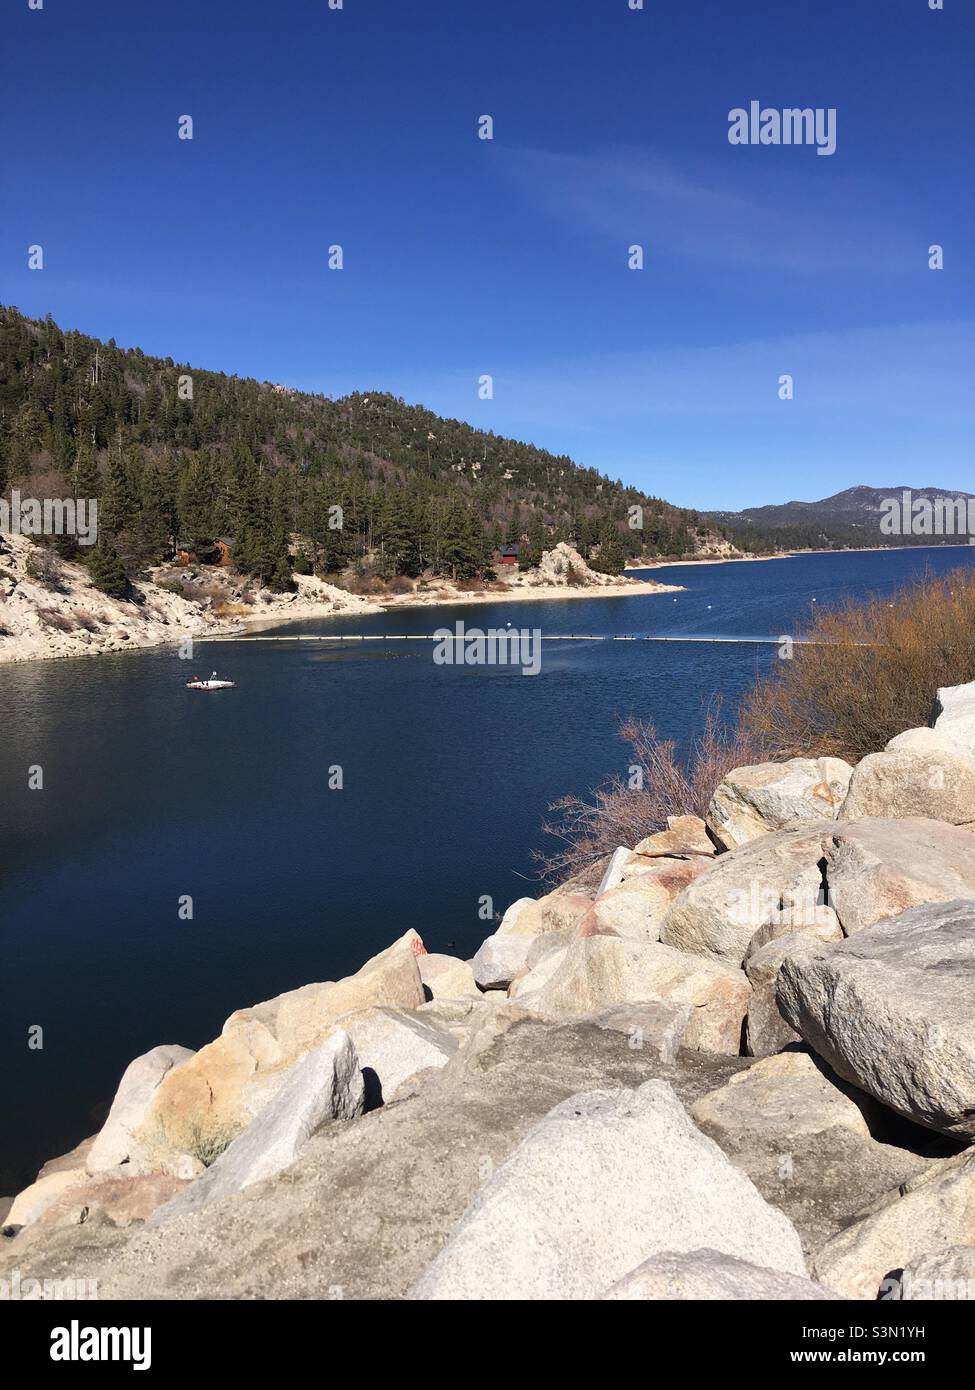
{"points": [[706, 425], [917, 371], [732, 212]]}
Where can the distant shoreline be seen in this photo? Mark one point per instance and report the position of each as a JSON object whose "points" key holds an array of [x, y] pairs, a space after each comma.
{"points": [[793, 554]]}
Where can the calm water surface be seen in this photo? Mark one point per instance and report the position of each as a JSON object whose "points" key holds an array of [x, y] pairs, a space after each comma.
{"points": [[152, 792]]}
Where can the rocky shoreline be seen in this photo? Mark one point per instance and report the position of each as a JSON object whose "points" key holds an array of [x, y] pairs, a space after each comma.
{"points": [[744, 1066], [45, 621]]}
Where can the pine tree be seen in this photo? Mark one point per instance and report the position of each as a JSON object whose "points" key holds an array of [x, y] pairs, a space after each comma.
{"points": [[119, 508], [106, 570], [611, 558], [154, 530], [530, 555], [85, 477]]}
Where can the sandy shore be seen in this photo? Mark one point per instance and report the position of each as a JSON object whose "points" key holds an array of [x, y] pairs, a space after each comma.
{"points": [[538, 593], [726, 560]]}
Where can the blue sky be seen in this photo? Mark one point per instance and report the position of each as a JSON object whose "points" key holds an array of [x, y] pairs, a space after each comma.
{"points": [[358, 126]]}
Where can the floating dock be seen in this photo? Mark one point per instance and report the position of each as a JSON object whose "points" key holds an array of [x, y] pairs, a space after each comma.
{"points": [[474, 635]]}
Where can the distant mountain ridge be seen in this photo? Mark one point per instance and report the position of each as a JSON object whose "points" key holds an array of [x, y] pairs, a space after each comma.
{"points": [[854, 506], [853, 515]]}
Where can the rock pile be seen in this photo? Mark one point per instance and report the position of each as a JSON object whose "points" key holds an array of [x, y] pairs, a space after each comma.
{"points": [[741, 1068]]}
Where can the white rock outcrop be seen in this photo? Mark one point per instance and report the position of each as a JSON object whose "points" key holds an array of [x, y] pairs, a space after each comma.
{"points": [[752, 801], [606, 1181]]}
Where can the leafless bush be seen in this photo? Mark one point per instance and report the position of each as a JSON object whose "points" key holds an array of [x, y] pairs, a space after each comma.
{"points": [[364, 585], [50, 617], [194, 590], [45, 567], [667, 784], [872, 670]]}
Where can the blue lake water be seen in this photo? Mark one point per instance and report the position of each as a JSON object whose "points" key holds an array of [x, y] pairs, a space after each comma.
{"points": [[152, 792]]}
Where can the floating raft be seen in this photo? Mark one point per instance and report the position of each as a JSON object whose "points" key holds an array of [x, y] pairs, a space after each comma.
{"points": [[471, 636]]}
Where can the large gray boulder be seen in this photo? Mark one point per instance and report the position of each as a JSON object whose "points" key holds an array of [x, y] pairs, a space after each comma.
{"points": [[502, 955], [752, 801], [395, 1044], [707, 1275], [596, 972], [605, 1181], [805, 1139], [498, 960], [766, 1031], [326, 1084], [907, 779], [776, 880], [634, 908], [891, 1010], [878, 868], [925, 1217], [446, 977], [130, 1107]]}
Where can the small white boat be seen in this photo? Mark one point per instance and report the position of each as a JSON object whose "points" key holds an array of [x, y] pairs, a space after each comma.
{"points": [[211, 684]]}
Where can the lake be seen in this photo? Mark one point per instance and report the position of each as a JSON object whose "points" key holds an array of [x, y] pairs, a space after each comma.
{"points": [[152, 792]]}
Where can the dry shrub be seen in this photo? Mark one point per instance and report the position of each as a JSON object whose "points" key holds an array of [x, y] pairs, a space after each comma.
{"points": [[872, 672], [194, 590], [364, 585], [673, 784], [172, 586], [400, 584], [44, 566], [50, 617]]}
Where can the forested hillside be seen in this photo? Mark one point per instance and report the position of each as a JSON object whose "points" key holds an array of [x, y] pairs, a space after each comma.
{"points": [[366, 483]]}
